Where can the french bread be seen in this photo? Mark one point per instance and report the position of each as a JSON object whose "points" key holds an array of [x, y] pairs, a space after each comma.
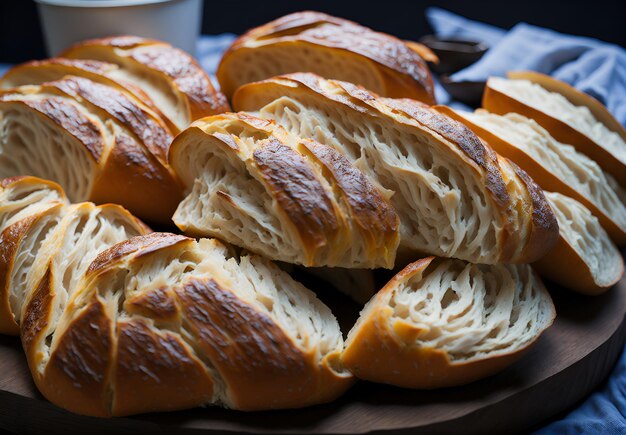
{"points": [[553, 165], [569, 115], [46, 244], [253, 184], [444, 322], [584, 259], [172, 79], [331, 47], [454, 195], [38, 72], [162, 322], [99, 143]]}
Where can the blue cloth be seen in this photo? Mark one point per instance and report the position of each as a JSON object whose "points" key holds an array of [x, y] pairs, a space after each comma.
{"points": [[594, 67]]}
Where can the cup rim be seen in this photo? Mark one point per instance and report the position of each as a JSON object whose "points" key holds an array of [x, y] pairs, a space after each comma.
{"points": [[101, 3]]}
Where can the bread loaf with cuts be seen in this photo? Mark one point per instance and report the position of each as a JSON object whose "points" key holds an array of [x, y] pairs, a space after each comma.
{"points": [[454, 195], [162, 322], [553, 165], [171, 78], [47, 244], [584, 259], [444, 322], [570, 116], [331, 47], [253, 184], [99, 143]]}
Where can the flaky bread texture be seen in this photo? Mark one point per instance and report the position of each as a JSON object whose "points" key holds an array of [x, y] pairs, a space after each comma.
{"points": [[29, 209], [37, 72], [584, 259], [99, 143], [48, 242], [257, 186], [443, 322], [553, 165], [331, 47], [172, 79], [162, 322], [454, 195], [570, 116]]}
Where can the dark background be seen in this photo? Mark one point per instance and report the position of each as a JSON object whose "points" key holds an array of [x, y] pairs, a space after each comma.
{"points": [[21, 38]]}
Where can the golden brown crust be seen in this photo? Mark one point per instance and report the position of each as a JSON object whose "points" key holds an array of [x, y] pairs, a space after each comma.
{"points": [[182, 70], [254, 357], [299, 193], [546, 179], [150, 131], [381, 348], [148, 364], [500, 103], [79, 371], [452, 135], [370, 210], [68, 117], [404, 72]]}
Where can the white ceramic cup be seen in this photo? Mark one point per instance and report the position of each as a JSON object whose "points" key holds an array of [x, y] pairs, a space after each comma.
{"points": [[68, 21]]}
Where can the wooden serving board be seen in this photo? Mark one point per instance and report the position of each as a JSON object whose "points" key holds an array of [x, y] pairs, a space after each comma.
{"points": [[568, 362]]}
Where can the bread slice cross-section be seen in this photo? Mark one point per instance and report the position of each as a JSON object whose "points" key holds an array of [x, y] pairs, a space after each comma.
{"points": [[253, 184], [454, 195], [555, 166], [98, 143], [443, 322], [570, 116], [584, 259]]}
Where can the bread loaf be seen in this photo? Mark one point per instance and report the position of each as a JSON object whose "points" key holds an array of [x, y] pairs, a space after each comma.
{"points": [[553, 165], [46, 245], [172, 79], [570, 116], [162, 322], [442, 322], [454, 196], [99, 143], [584, 259], [38, 72], [331, 47], [255, 185]]}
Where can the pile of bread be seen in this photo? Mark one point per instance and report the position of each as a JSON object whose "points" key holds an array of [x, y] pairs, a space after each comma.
{"points": [[332, 158]]}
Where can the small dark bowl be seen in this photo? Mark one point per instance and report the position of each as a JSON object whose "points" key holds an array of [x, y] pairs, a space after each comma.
{"points": [[454, 54], [470, 93]]}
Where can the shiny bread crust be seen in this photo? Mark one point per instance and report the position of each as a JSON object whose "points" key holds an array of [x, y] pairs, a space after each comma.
{"points": [[523, 239], [403, 70]]}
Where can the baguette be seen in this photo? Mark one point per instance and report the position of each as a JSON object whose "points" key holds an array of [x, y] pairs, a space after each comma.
{"points": [[569, 115], [454, 195], [255, 185], [553, 165], [38, 72], [170, 77], [331, 47], [100, 144], [584, 259], [442, 323], [162, 322]]}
